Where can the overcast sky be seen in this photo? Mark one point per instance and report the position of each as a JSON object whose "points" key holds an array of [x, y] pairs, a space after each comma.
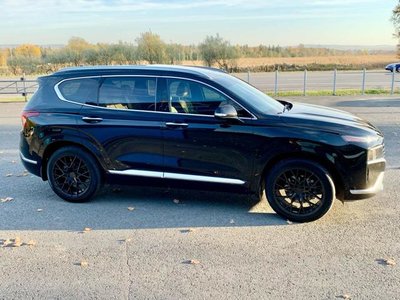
{"points": [[253, 22]]}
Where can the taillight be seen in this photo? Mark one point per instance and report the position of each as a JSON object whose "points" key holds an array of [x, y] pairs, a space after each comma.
{"points": [[27, 114]]}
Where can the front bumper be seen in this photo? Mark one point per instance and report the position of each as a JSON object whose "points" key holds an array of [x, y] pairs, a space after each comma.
{"points": [[377, 187], [372, 183]]}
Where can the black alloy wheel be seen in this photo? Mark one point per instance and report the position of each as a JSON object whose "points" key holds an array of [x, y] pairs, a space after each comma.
{"points": [[73, 174], [299, 190]]}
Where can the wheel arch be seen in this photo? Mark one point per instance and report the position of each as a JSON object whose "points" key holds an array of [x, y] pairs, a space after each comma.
{"points": [[50, 149], [325, 163]]}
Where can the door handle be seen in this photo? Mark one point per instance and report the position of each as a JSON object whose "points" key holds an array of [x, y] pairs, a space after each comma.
{"points": [[91, 119], [176, 125]]}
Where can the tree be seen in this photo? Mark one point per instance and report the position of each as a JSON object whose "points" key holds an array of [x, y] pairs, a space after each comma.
{"points": [[396, 23], [216, 50], [28, 50], [3, 57], [22, 64], [24, 59], [151, 48], [73, 52]]}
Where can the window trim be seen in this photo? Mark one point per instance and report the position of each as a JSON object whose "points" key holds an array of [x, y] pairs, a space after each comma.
{"points": [[62, 98]]}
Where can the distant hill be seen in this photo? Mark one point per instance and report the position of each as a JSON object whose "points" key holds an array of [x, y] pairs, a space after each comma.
{"points": [[54, 46], [355, 47]]}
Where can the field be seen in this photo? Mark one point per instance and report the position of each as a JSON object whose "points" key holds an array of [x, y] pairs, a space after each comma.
{"points": [[315, 63]]}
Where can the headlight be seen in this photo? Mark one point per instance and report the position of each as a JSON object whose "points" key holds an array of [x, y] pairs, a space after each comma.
{"points": [[375, 153], [360, 139]]}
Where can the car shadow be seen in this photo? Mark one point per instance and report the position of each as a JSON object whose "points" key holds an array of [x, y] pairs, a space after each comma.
{"points": [[122, 207]]}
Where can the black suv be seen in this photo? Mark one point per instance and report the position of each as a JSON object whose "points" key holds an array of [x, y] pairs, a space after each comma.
{"points": [[197, 127]]}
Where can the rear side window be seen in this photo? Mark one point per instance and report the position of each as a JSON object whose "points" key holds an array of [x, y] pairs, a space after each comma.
{"points": [[81, 90], [137, 93]]}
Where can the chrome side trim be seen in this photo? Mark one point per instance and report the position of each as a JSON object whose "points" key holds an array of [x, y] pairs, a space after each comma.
{"points": [[376, 161], [61, 97], [34, 162], [153, 174], [202, 178], [167, 175], [378, 186]]}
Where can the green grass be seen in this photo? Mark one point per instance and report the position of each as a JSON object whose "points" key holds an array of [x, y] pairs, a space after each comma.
{"points": [[5, 99], [339, 92]]}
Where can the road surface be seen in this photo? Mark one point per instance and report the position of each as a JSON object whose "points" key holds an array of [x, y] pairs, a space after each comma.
{"points": [[241, 249]]}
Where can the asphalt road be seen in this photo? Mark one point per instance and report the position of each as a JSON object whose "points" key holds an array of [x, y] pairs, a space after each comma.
{"points": [[243, 250]]}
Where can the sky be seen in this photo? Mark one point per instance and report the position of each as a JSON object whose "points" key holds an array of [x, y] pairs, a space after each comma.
{"points": [[252, 22]]}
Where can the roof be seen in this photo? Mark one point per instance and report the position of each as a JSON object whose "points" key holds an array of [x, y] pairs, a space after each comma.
{"points": [[193, 70]]}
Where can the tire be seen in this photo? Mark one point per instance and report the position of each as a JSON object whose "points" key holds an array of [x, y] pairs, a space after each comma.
{"points": [[397, 69], [299, 190], [74, 175]]}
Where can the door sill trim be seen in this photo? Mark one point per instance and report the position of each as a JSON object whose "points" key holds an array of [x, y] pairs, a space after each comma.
{"points": [[177, 176]]}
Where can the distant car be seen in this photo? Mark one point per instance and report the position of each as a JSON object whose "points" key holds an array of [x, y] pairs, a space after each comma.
{"points": [[195, 127], [394, 66]]}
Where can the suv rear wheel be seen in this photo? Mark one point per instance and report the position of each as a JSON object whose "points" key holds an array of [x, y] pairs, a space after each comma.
{"points": [[299, 190], [73, 174]]}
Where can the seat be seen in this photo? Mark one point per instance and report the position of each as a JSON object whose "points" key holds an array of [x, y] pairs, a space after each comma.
{"points": [[179, 103]]}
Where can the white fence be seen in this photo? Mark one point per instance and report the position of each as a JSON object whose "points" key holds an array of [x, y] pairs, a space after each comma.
{"points": [[275, 82], [360, 81], [20, 86]]}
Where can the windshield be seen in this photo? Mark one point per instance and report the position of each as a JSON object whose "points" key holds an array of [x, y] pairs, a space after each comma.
{"points": [[252, 97]]}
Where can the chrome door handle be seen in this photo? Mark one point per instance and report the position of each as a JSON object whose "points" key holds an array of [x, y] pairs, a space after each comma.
{"points": [[91, 119], [176, 125]]}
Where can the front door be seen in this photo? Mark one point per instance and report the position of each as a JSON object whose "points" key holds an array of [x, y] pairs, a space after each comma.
{"points": [[197, 146]]}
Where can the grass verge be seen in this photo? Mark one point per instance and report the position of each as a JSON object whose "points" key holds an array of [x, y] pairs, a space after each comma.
{"points": [[5, 99], [339, 92]]}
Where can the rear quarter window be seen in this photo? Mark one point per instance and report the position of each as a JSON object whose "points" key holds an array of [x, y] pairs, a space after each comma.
{"points": [[81, 90]]}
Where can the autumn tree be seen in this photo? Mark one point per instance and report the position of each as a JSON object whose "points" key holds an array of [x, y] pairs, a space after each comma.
{"points": [[24, 59], [28, 50], [151, 48], [214, 50], [3, 57]]}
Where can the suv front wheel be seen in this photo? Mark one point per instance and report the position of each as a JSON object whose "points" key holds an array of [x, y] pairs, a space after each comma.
{"points": [[73, 174], [299, 190]]}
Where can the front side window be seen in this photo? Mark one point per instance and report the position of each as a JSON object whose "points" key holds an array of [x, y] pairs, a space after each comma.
{"points": [[189, 97], [81, 90], [137, 93]]}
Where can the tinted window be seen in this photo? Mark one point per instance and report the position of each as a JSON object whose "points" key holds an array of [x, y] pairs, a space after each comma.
{"points": [[194, 98], [254, 98], [83, 90], [137, 93]]}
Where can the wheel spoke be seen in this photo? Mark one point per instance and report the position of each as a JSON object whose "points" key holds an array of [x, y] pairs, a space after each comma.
{"points": [[303, 191], [71, 175]]}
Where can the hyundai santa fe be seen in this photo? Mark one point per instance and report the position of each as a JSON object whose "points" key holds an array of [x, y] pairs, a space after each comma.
{"points": [[195, 127]]}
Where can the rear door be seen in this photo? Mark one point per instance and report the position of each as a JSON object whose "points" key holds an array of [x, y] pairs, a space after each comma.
{"points": [[124, 125]]}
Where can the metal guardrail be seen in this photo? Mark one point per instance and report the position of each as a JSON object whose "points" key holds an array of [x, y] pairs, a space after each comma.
{"points": [[21, 87], [334, 81], [274, 83]]}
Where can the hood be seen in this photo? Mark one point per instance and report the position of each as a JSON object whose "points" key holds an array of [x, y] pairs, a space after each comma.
{"points": [[327, 119]]}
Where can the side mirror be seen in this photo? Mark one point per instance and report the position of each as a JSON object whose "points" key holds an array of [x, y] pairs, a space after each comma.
{"points": [[226, 111]]}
